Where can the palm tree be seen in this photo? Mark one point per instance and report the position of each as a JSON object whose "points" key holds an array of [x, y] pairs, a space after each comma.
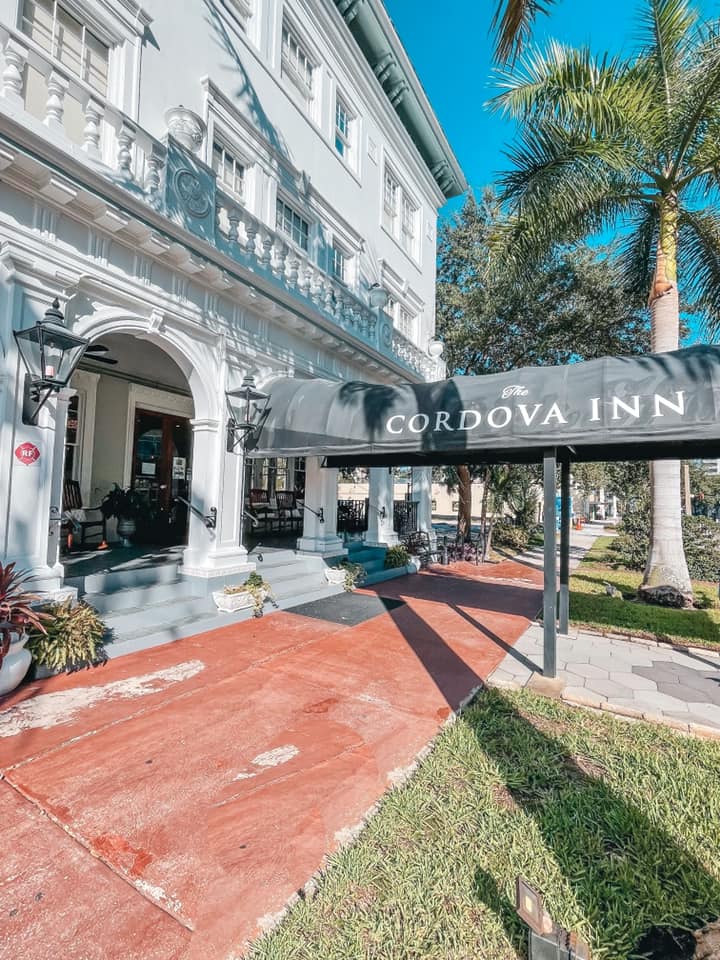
{"points": [[632, 145]]}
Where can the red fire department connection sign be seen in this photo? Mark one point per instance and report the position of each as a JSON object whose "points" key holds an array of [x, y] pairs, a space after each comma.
{"points": [[27, 453]]}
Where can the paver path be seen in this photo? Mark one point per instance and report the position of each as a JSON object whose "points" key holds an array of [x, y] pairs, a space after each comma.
{"points": [[657, 681], [168, 804]]}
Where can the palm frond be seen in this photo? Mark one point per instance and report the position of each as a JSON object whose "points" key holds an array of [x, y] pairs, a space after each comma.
{"points": [[699, 266], [512, 25], [572, 86], [665, 29], [695, 118], [635, 258]]}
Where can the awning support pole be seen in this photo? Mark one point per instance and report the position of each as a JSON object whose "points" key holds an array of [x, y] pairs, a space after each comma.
{"points": [[565, 510], [549, 561]]}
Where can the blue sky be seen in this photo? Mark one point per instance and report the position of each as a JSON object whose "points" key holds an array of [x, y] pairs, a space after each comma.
{"points": [[451, 50]]}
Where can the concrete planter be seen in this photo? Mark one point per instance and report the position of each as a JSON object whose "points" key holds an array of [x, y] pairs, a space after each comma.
{"points": [[15, 663], [232, 602], [335, 575]]}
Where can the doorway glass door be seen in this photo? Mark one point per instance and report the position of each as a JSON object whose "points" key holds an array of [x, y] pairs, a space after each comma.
{"points": [[161, 474]]}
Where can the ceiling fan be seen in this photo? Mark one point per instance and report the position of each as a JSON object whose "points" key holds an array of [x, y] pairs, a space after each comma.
{"points": [[93, 353]]}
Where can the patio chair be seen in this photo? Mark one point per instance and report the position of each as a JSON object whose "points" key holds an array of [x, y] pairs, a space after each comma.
{"points": [[287, 509], [262, 508], [75, 516], [418, 544]]}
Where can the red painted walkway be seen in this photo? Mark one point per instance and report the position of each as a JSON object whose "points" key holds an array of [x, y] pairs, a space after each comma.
{"points": [[168, 804]]}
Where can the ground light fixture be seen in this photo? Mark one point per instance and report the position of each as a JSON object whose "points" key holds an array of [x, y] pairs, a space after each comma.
{"points": [[435, 348], [50, 354], [548, 940]]}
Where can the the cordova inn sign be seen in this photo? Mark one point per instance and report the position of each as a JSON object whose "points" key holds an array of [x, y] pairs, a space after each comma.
{"points": [[528, 414], [589, 408]]}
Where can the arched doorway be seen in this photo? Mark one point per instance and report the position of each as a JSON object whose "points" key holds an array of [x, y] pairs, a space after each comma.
{"points": [[129, 423]]}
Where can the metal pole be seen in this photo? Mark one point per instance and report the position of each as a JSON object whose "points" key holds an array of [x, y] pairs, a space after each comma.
{"points": [[565, 505], [549, 578]]}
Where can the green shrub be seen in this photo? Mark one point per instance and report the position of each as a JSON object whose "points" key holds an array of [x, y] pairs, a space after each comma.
{"points": [[504, 534], [701, 539], [397, 557], [73, 638]]}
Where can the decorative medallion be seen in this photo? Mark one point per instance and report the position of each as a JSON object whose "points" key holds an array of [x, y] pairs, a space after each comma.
{"points": [[189, 188], [386, 334]]}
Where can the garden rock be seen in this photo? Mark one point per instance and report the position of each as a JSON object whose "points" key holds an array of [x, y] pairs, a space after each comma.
{"points": [[665, 596], [708, 942]]}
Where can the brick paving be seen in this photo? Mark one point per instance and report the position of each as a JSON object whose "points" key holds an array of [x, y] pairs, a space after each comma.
{"points": [[168, 804]]}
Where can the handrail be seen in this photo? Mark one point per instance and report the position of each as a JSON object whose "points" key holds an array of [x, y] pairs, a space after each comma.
{"points": [[210, 519]]}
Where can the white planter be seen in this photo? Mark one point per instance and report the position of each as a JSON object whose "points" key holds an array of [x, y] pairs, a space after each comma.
{"points": [[335, 575], [231, 602], [15, 663]]}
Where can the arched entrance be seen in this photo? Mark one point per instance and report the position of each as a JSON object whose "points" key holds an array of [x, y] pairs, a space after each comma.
{"points": [[129, 424]]}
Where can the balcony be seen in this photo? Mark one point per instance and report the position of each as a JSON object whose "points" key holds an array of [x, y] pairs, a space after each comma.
{"points": [[37, 92]]}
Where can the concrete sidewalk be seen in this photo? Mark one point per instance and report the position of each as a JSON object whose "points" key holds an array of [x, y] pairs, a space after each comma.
{"points": [[640, 679], [168, 804]]}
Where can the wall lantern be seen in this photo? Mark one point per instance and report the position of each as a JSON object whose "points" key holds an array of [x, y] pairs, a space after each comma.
{"points": [[50, 354], [435, 349], [548, 941], [378, 297], [248, 406]]}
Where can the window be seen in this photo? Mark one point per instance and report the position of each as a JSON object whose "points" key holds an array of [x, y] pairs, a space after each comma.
{"points": [[292, 224], [297, 65], [339, 264], [391, 190], [72, 439], [400, 214], [408, 225], [230, 171], [405, 322], [68, 40], [344, 124]]}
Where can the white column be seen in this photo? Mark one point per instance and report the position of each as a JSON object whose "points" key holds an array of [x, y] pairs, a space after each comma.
{"points": [[380, 531], [320, 534], [422, 494], [216, 473]]}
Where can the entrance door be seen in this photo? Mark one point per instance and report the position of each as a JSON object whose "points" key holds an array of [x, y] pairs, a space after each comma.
{"points": [[161, 473]]}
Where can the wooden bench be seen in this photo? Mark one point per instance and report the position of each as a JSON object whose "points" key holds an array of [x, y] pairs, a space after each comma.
{"points": [[72, 500]]}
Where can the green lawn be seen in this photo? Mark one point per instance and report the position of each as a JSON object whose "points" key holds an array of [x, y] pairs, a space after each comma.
{"points": [[591, 606], [618, 824]]}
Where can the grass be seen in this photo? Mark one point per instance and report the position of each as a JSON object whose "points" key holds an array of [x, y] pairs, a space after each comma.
{"points": [[591, 606], [617, 824]]}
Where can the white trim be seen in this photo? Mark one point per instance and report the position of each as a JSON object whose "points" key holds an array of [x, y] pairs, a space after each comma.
{"points": [[158, 401], [84, 383]]}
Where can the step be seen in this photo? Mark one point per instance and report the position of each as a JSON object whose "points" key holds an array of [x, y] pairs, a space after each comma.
{"points": [[115, 601], [107, 581], [380, 575], [367, 555], [171, 611], [142, 639]]}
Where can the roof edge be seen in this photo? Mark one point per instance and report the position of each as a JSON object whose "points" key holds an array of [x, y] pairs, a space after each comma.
{"points": [[375, 34]]}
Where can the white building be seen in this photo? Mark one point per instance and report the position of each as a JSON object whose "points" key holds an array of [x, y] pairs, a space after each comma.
{"points": [[210, 189]]}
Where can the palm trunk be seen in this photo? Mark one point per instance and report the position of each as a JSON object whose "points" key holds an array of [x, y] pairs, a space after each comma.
{"points": [[666, 565], [464, 521], [483, 515]]}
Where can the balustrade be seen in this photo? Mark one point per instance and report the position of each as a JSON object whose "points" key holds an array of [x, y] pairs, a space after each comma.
{"points": [[71, 109]]}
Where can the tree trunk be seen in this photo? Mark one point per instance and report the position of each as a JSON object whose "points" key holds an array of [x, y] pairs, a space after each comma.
{"points": [[483, 515], [464, 520], [666, 565]]}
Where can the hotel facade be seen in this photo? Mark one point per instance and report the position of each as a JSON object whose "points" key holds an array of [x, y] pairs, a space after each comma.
{"points": [[211, 190]]}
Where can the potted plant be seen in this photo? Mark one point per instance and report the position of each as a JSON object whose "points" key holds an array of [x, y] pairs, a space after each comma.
{"points": [[353, 574], [335, 575], [254, 593], [16, 616], [127, 506], [73, 638], [397, 556]]}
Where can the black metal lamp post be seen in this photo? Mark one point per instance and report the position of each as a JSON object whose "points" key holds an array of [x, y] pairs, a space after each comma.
{"points": [[50, 354], [248, 406]]}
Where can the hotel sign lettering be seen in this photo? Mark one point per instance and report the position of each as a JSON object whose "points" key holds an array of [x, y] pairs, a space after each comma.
{"points": [[527, 416]]}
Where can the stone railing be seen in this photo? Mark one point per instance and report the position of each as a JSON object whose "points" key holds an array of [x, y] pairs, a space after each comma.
{"points": [[80, 121]]}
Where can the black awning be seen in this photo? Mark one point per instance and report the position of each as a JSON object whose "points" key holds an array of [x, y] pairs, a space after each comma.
{"points": [[616, 408]]}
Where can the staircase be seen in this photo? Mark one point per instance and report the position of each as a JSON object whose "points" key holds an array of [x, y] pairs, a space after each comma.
{"points": [[146, 606], [373, 560]]}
